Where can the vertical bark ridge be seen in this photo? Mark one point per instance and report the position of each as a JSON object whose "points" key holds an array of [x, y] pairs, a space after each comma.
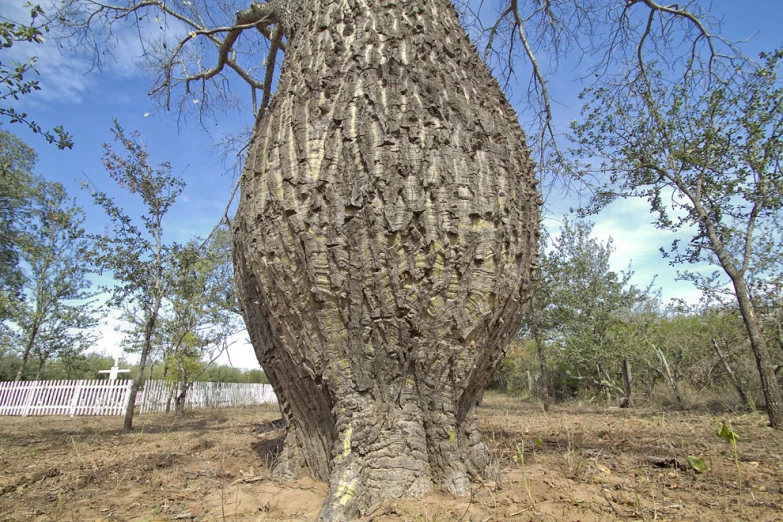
{"points": [[384, 247]]}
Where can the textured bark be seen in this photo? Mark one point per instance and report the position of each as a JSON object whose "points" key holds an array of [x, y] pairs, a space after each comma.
{"points": [[769, 381], [546, 383], [627, 382], [26, 354], [384, 247], [149, 327]]}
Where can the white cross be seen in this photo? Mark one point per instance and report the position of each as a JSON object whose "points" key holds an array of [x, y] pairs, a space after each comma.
{"points": [[115, 370]]}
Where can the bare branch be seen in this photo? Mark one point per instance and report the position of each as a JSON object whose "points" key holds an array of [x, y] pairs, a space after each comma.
{"points": [[213, 42], [611, 46], [541, 83]]}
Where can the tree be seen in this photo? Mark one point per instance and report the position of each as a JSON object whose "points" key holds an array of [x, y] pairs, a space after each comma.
{"points": [[137, 255], [709, 159], [384, 245], [535, 322], [17, 161], [14, 76], [200, 314], [386, 232], [57, 308], [579, 304]]}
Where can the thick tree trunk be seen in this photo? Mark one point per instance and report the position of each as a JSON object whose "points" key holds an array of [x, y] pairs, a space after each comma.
{"points": [[384, 245]]}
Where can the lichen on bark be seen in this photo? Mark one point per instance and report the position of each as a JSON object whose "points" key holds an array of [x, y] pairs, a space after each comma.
{"points": [[384, 245]]}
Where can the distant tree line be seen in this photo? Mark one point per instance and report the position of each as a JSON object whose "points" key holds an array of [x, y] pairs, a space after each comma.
{"points": [[86, 366]]}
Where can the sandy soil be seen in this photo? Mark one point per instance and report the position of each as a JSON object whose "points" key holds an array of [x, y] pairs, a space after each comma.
{"points": [[579, 464]]}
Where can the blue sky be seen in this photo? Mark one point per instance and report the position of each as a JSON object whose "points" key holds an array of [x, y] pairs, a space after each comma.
{"points": [[85, 102]]}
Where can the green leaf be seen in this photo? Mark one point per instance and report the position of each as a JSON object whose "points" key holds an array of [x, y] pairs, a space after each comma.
{"points": [[697, 464], [726, 434], [538, 442]]}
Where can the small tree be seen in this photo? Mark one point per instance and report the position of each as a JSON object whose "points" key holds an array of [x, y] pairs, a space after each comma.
{"points": [[201, 314], [578, 302], [136, 254], [708, 157], [17, 161]]}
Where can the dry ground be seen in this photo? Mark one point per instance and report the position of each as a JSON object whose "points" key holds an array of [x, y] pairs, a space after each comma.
{"points": [[580, 464]]}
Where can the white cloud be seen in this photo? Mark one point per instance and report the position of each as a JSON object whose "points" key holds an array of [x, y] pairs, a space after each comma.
{"points": [[637, 242], [110, 342]]}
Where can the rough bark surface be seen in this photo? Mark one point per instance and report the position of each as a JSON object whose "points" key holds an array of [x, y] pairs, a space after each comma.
{"points": [[627, 383], [769, 381], [546, 381], [384, 246]]}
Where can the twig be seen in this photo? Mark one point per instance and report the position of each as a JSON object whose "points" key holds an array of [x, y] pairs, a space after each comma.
{"points": [[470, 503], [77, 450], [511, 515]]}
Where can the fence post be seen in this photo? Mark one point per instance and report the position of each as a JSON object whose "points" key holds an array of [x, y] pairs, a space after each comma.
{"points": [[75, 400], [31, 392]]}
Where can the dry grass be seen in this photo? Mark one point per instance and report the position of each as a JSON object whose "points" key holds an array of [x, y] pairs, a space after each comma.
{"points": [[579, 463]]}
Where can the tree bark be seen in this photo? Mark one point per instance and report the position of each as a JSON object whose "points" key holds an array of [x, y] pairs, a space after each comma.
{"points": [[384, 248], [182, 391], [627, 382], [26, 354], [546, 385], [179, 401], [769, 381], [145, 350], [736, 272]]}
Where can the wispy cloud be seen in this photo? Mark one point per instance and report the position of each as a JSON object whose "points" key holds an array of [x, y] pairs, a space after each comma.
{"points": [[64, 75]]}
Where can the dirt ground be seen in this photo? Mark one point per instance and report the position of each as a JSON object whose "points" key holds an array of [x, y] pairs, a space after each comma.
{"points": [[578, 464]]}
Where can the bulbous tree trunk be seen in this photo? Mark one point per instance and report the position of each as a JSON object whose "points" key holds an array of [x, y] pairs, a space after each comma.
{"points": [[384, 247]]}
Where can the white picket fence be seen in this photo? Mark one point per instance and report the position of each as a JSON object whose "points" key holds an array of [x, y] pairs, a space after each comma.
{"points": [[157, 394], [110, 397], [63, 397]]}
